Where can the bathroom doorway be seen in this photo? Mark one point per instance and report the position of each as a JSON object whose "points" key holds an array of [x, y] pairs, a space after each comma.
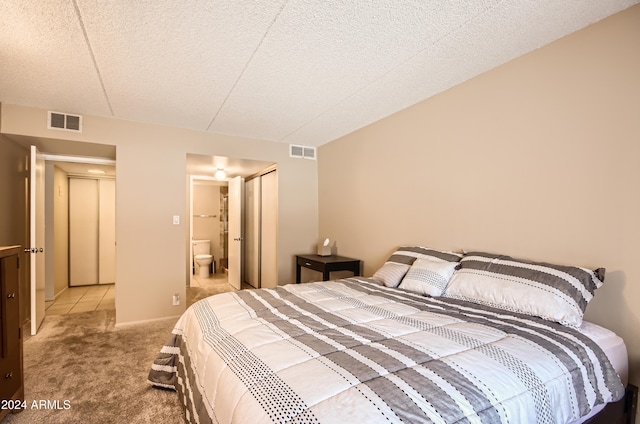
{"points": [[209, 221], [208, 229]]}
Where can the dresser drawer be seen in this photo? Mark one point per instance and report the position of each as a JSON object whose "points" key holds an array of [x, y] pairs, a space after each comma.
{"points": [[10, 376]]}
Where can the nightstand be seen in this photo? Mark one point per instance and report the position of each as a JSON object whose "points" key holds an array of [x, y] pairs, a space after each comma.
{"points": [[326, 265]]}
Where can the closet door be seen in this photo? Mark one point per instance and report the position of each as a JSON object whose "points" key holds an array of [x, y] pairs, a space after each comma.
{"points": [[83, 232], [252, 232], [269, 230]]}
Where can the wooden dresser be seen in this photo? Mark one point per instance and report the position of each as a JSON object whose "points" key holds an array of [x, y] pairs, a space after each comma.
{"points": [[11, 380]]}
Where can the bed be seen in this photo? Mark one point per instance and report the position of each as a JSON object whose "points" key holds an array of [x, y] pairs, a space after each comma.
{"points": [[375, 350]]}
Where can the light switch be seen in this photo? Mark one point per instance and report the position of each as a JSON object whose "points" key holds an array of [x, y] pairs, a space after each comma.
{"points": [[176, 219]]}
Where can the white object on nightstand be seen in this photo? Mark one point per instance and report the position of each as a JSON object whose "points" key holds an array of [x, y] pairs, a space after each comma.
{"points": [[324, 248]]}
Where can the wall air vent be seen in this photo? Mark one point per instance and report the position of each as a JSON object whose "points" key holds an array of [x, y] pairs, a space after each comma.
{"points": [[305, 152], [64, 121]]}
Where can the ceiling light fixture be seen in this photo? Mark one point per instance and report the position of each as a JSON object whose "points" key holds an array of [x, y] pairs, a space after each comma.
{"points": [[220, 174]]}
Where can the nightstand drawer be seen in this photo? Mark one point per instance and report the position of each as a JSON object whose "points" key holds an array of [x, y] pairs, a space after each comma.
{"points": [[311, 264], [326, 265]]}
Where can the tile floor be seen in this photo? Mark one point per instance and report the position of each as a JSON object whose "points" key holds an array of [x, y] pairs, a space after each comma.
{"points": [[82, 299], [220, 280], [216, 283], [217, 279], [94, 298]]}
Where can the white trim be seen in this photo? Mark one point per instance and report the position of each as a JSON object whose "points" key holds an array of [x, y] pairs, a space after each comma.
{"points": [[78, 159], [144, 321]]}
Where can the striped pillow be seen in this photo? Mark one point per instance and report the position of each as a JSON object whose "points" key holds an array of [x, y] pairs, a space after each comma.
{"points": [[391, 273], [408, 254], [428, 276], [553, 292], [394, 270]]}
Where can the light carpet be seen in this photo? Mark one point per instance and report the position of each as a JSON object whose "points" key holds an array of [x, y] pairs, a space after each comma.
{"points": [[85, 370]]}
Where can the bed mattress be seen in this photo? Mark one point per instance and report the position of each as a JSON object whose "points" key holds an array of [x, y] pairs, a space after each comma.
{"points": [[353, 351], [613, 346]]}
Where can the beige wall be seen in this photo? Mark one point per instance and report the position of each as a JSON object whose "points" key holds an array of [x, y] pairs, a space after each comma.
{"points": [[49, 236], [61, 229], [13, 212], [539, 158], [151, 187], [56, 224]]}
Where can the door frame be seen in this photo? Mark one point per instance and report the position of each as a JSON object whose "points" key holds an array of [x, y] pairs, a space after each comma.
{"points": [[245, 174], [36, 238], [48, 157]]}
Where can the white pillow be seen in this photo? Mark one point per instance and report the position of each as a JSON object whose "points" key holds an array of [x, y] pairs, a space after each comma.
{"points": [[557, 293], [394, 269], [391, 273], [428, 276]]}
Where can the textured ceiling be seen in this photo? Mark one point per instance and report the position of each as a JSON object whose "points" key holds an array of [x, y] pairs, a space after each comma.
{"points": [[302, 72]]}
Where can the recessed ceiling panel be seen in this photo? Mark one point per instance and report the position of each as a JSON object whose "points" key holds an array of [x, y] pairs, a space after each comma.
{"points": [[499, 34], [319, 54], [44, 59], [173, 62]]}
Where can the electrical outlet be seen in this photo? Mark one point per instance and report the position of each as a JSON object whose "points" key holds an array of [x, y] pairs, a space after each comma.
{"points": [[176, 219], [176, 299]]}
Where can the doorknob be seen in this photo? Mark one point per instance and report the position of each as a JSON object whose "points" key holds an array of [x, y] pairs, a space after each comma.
{"points": [[237, 239]]}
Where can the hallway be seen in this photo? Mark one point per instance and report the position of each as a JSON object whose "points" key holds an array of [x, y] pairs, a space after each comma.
{"points": [[82, 299]]}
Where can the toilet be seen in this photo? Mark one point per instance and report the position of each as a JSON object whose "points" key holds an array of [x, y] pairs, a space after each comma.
{"points": [[202, 257]]}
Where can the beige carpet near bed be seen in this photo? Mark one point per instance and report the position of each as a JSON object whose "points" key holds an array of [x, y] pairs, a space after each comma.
{"points": [[99, 369]]}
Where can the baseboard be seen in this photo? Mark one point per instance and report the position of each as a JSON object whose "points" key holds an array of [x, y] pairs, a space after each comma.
{"points": [[55, 295], [146, 321]]}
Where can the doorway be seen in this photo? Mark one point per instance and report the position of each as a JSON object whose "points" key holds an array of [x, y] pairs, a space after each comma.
{"points": [[221, 178], [50, 263], [80, 234]]}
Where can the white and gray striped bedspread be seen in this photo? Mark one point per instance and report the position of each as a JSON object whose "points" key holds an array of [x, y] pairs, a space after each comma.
{"points": [[352, 351]]}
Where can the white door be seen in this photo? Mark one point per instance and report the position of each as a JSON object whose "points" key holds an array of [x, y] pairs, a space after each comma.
{"points": [[36, 238], [236, 186], [252, 232], [83, 232]]}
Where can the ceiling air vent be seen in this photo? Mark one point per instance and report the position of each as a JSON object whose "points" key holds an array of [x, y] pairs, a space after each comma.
{"points": [[65, 121], [304, 152]]}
